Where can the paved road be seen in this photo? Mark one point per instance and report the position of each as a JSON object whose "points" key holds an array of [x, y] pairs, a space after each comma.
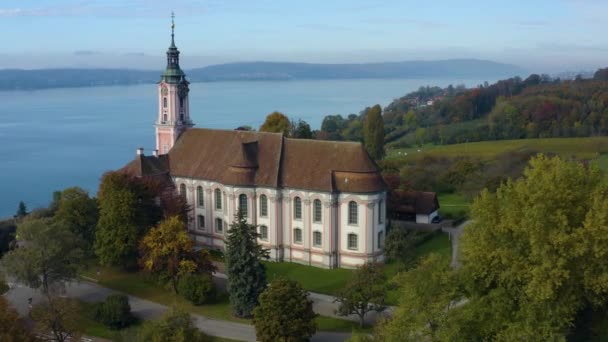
{"points": [[455, 239], [322, 304], [145, 309]]}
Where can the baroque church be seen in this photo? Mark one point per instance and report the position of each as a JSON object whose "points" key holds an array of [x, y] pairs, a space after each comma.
{"points": [[319, 203]]}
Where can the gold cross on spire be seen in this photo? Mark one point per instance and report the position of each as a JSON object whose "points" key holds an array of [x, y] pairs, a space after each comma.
{"points": [[172, 21]]}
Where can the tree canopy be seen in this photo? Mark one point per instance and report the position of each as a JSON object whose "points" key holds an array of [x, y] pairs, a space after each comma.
{"points": [[536, 251], [284, 313], [12, 327], [276, 122], [167, 251], [126, 211], [246, 273], [78, 212], [373, 130], [365, 292], [50, 254]]}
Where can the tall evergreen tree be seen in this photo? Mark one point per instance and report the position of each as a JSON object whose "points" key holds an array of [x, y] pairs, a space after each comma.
{"points": [[21, 210], [373, 133], [246, 273]]}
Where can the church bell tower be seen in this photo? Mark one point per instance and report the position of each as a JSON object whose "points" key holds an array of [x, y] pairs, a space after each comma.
{"points": [[173, 107]]}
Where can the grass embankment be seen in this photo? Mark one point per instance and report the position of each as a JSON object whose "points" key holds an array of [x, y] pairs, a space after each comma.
{"points": [[453, 204], [330, 281], [141, 286], [87, 325], [583, 148]]}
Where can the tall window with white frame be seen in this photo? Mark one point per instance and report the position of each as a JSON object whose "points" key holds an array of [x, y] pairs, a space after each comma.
{"points": [[201, 222], [182, 191], [200, 196], [263, 233], [381, 240], [353, 242], [353, 213], [218, 199], [297, 236], [317, 211], [297, 208], [317, 239], [219, 226], [263, 206], [243, 204]]}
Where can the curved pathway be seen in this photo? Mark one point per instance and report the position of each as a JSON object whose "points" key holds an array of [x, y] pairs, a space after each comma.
{"points": [[145, 309]]}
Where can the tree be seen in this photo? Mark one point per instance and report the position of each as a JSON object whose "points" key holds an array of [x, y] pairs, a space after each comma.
{"points": [[284, 313], [60, 316], [197, 288], [276, 122], [21, 210], [400, 245], [365, 292], [246, 273], [51, 255], [536, 251], [175, 326], [114, 312], [373, 133], [427, 294], [127, 210], [301, 130], [12, 327], [167, 251], [78, 212]]}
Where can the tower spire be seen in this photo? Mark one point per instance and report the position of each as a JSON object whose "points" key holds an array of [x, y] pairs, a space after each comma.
{"points": [[172, 29]]}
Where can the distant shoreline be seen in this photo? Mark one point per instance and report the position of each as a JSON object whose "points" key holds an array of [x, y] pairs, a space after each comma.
{"points": [[27, 80]]}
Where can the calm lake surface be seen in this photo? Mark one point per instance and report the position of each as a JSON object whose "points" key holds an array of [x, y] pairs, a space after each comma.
{"points": [[53, 139]]}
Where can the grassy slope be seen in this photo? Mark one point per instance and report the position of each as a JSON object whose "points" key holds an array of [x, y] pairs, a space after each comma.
{"points": [[137, 285], [453, 203], [587, 148]]}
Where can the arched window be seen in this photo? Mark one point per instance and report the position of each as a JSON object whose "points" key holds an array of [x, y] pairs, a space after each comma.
{"points": [[380, 240], [352, 241], [353, 213], [317, 213], [297, 208], [380, 212], [201, 222], [218, 199], [181, 102], [243, 204], [263, 206], [317, 239], [182, 191], [200, 196], [165, 117], [164, 102], [219, 227], [264, 233], [297, 236]]}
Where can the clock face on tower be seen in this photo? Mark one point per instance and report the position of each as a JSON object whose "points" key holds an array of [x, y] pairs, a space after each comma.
{"points": [[164, 90]]}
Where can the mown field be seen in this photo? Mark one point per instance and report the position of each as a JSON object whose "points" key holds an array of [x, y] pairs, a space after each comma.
{"points": [[582, 148]]}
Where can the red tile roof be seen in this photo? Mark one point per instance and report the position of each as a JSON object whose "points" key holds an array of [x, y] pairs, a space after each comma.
{"points": [[267, 159]]}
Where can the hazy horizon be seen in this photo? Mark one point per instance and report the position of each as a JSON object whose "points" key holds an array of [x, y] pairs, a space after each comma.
{"points": [[544, 36]]}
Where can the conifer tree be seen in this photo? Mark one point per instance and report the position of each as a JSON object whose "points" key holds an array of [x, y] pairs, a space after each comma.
{"points": [[21, 210], [246, 273], [373, 133]]}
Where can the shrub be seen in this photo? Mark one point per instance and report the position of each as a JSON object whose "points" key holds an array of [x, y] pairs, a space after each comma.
{"points": [[197, 288], [115, 312]]}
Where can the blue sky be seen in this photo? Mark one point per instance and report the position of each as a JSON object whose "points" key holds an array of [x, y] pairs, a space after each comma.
{"points": [[541, 35]]}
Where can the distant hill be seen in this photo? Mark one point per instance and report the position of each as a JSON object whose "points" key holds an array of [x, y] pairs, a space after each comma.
{"points": [[15, 79]]}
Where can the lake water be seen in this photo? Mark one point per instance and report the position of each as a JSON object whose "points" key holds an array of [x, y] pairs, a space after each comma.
{"points": [[53, 139]]}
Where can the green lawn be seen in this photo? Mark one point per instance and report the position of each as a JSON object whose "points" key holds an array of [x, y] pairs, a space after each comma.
{"points": [[138, 285], [453, 204], [587, 148], [311, 278]]}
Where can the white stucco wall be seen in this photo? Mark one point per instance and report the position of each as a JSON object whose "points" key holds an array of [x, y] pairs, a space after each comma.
{"points": [[281, 222]]}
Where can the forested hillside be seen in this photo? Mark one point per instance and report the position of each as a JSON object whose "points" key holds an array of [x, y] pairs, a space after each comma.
{"points": [[537, 107]]}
